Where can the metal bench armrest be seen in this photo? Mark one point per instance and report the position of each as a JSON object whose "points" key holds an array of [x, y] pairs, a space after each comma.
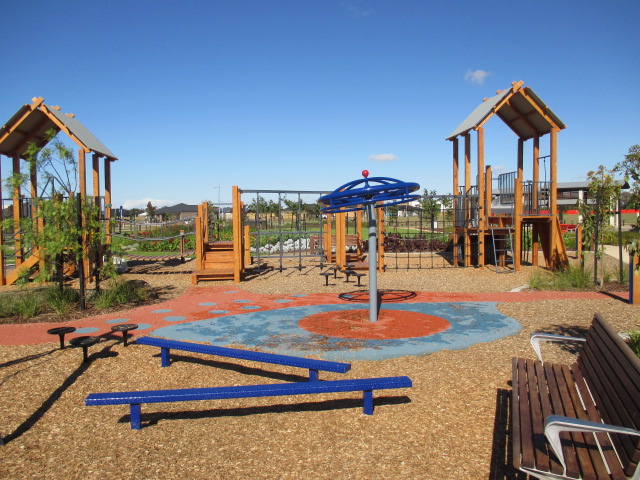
{"points": [[539, 337], [554, 424]]}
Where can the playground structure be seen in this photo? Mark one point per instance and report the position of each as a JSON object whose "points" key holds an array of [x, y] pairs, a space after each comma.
{"points": [[367, 193], [481, 218], [260, 233], [30, 126]]}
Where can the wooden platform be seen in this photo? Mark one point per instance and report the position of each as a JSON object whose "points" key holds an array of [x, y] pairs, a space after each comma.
{"points": [[217, 262]]}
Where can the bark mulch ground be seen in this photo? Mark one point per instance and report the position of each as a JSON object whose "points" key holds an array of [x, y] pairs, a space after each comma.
{"points": [[451, 425]]}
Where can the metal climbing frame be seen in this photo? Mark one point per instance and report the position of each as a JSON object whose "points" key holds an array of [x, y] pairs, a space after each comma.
{"points": [[285, 225], [419, 235]]}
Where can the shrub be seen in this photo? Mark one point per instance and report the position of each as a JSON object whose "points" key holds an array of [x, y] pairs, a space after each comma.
{"points": [[569, 279], [61, 301], [29, 304], [120, 292]]}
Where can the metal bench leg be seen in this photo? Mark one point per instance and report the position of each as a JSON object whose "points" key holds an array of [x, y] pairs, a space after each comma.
{"points": [[134, 413], [368, 402], [165, 356], [313, 375]]}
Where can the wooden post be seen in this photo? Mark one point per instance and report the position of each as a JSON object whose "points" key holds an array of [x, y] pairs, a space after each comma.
{"points": [[536, 172], [553, 197], [456, 166], [467, 185], [520, 158], [327, 244], [488, 189], [456, 174], [341, 253], [467, 162], [82, 179], [2, 279], [359, 234], [247, 245], [96, 179], [237, 234], [199, 240], [16, 214], [634, 279], [482, 217], [517, 226], [107, 198]]}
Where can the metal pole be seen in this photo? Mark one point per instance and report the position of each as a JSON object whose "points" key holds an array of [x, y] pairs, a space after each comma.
{"points": [[373, 257]]}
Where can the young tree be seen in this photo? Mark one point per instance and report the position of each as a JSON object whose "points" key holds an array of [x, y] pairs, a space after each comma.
{"points": [[133, 213], [151, 212], [630, 167], [603, 193], [295, 208], [430, 204]]}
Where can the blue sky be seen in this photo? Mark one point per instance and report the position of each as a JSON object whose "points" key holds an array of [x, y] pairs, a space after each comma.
{"points": [[304, 94]]}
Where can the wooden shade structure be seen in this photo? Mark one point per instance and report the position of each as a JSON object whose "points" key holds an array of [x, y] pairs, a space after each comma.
{"points": [[530, 119], [29, 125]]}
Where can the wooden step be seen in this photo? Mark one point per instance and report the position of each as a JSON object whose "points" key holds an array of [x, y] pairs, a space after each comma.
{"points": [[217, 246], [212, 274]]}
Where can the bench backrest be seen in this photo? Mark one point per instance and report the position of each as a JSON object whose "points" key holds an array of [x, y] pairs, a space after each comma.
{"points": [[612, 371]]}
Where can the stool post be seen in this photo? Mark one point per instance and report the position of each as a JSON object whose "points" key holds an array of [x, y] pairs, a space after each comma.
{"points": [[134, 413], [165, 356], [368, 402], [85, 353]]}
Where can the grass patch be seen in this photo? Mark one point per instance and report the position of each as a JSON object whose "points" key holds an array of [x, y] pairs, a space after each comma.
{"points": [[570, 279], [21, 304], [119, 292], [62, 301]]}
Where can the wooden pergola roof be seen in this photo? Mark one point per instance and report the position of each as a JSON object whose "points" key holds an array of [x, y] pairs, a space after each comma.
{"points": [[520, 108], [31, 122]]}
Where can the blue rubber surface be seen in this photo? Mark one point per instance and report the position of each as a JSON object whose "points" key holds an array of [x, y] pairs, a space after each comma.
{"points": [[277, 331]]}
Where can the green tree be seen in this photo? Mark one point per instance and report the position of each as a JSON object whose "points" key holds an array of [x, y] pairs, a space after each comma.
{"points": [[296, 207], [151, 212], [430, 205], [602, 196], [630, 167], [133, 213]]}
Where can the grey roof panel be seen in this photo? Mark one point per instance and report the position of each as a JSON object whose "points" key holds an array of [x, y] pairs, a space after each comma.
{"points": [[83, 134], [479, 114]]}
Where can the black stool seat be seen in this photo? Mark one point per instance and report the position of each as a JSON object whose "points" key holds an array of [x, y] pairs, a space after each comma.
{"points": [[124, 328], [84, 342], [358, 275], [326, 276], [61, 332], [348, 273]]}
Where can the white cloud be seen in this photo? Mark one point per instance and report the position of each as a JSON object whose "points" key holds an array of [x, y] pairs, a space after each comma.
{"points": [[477, 76], [383, 157], [142, 203]]}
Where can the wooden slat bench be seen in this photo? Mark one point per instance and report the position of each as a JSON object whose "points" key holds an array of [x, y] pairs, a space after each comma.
{"points": [[312, 364], [580, 420], [135, 399]]}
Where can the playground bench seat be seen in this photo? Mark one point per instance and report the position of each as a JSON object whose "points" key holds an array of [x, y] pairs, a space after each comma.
{"points": [[313, 365], [580, 420], [135, 399]]}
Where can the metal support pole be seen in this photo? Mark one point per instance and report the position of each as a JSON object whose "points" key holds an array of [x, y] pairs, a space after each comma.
{"points": [[373, 270]]}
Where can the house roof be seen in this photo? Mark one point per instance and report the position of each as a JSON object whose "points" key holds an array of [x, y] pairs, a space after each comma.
{"points": [[179, 208], [518, 107], [31, 122]]}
